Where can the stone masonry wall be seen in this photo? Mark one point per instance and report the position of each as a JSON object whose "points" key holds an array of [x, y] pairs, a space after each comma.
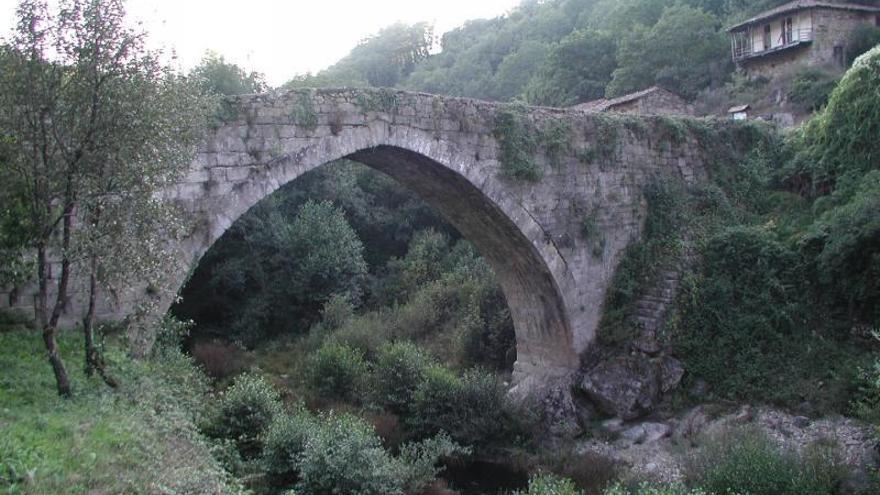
{"points": [[446, 149]]}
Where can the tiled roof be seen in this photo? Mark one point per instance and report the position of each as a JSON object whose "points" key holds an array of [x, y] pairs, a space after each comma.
{"points": [[803, 4], [603, 104]]}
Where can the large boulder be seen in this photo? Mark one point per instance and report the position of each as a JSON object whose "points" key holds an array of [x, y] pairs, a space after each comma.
{"points": [[561, 418], [626, 387]]}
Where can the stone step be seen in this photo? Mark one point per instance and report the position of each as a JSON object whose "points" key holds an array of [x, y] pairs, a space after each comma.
{"points": [[653, 301], [647, 323]]}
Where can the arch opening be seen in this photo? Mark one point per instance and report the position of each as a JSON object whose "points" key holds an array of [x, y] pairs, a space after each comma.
{"points": [[542, 331]]}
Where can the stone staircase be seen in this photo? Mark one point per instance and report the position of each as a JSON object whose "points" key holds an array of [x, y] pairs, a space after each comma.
{"points": [[652, 307]]}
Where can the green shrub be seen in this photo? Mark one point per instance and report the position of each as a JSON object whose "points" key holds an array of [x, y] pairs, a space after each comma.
{"points": [[811, 87], [399, 369], [741, 318], [336, 371], [549, 484], [284, 441], [746, 461], [418, 460], [344, 456], [304, 113], [866, 405], [862, 39], [244, 411], [845, 244], [471, 408], [337, 311], [841, 140], [519, 142]]}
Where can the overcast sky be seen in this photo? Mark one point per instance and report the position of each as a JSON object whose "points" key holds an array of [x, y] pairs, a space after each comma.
{"points": [[283, 38]]}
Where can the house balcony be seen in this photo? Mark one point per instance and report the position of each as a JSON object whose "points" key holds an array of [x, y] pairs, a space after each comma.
{"points": [[743, 50]]}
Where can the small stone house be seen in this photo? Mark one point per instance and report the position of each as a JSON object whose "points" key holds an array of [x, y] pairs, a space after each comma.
{"points": [[739, 112], [809, 32], [652, 101]]}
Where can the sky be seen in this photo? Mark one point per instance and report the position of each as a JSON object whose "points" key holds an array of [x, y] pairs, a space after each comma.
{"points": [[282, 38]]}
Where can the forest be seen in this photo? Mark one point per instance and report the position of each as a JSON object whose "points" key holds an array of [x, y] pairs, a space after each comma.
{"points": [[342, 337]]}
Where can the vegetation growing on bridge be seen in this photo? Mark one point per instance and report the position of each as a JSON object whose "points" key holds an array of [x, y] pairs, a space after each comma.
{"points": [[518, 143], [378, 100], [778, 298], [304, 114], [522, 139]]}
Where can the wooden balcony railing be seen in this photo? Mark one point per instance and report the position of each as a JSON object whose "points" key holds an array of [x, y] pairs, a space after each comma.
{"points": [[743, 49]]}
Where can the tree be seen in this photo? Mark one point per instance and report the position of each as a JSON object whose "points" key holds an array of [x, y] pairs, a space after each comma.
{"points": [[273, 274], [95, 128], [383, 59], [683, 52], [216, 76], [577, 70]]}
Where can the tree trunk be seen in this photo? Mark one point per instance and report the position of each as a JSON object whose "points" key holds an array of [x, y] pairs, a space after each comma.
{"points": [[94, 360], [61, 380]]}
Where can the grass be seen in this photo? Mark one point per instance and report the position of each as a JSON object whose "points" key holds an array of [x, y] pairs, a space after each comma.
{"points": [[139, 439]]}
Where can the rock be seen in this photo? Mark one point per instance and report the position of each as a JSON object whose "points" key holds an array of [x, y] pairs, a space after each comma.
{"points": [[626, 387], [560, 413], [744, 415], [656, 431], [647, 342], [699, 389], [585, 410], [612, 425], [645, 433], [671, 373], [800, 421], [692, 423]]}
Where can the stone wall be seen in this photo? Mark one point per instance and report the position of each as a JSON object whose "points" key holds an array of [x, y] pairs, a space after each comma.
{"points": [[446, 150]]}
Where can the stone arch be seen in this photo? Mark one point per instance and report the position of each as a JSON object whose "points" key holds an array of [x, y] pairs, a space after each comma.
{"points": [[506, 235]]}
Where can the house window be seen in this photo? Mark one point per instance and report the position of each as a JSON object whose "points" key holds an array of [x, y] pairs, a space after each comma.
{"points": [[789, 31], [767, 37]]}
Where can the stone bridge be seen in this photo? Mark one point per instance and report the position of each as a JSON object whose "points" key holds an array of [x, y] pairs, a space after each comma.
{"points": [[549, 197]]}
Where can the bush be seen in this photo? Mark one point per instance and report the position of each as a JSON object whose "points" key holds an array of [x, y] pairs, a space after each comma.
{"points": [[284, 442], [549, 484], [845, 244], [743, 315], [244, 411], [344, 456], [811, 87], [218, 359], [336, 371], [866, 405], [398, 371], [419, 461], [862, 39], [841, 140], [471, 408], [746, 461], [340, 453]]}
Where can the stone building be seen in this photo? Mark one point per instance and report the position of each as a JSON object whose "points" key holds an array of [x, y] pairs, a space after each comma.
{"points": [[652, 101], [808, 32]]}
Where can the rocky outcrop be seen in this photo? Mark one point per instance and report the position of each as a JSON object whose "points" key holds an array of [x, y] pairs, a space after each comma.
{"points": [[629, 387], [561, 416], [654, 449]]}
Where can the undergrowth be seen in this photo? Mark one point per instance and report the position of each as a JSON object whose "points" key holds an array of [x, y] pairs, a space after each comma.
{"points": [[141, 438]]}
